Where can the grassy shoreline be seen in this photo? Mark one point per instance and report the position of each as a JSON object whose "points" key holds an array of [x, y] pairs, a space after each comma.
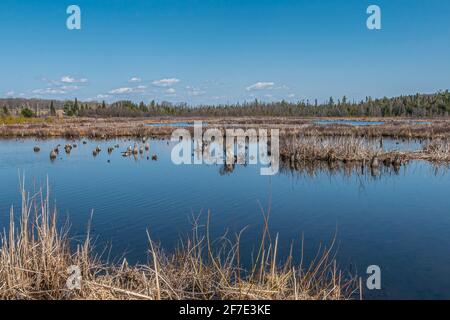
{"points": [[106, 128], [35, 256]]}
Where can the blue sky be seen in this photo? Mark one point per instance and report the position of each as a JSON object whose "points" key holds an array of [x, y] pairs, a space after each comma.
{"points": [[217, 51]]}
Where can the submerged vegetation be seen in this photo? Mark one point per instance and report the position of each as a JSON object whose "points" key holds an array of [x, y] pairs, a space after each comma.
{"points": [[36, 256]]}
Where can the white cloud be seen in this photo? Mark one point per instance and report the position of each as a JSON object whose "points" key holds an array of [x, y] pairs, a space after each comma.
{"points": [[123, 90], [166, 82], [128, 90], [102, 96], [260, 86], [9, 93], [170, 91], [135, 79], [291, 95], [69, 79]]}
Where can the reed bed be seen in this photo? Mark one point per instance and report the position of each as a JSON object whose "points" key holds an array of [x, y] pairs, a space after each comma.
{"points": [[36, 254], [437, 150], [308, 149]]}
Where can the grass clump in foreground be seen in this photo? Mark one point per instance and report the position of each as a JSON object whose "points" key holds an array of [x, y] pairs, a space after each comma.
{"points": [[35, 256]]}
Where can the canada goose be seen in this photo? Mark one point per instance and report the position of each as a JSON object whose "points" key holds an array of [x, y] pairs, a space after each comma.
{"points": [[397, 162], [95, 152], [53, 155], [135, 149], [374, 163], [36, 149], [154, 157], [68, 148]]}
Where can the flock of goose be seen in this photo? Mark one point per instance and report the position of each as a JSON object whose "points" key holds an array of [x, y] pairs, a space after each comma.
{"points": [[135, 150]]}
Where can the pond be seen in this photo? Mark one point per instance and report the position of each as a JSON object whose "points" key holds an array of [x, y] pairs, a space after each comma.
{"points": [[398, 221]]}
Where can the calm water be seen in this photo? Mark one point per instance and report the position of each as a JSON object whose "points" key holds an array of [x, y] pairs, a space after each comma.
{"points": [[400, 222], [350, 122], [364, 123], [173, 124]]}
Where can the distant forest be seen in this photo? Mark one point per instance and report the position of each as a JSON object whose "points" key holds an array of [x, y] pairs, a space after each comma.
{"points": [[418, 105]]}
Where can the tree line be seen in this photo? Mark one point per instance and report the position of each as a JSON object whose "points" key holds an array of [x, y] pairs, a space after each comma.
{"points": [[418, 105]]}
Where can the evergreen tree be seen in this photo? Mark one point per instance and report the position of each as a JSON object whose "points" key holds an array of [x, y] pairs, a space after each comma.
{"points": [[52, 109]]}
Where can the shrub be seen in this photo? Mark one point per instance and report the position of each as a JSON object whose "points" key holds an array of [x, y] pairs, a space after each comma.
{"points": [[27, 113]]}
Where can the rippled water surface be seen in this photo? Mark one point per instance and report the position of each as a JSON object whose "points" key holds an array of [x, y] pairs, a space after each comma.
{"points": [[399, 221]]}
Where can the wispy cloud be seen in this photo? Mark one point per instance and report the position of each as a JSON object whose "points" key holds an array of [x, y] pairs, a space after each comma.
{"points": [[49, 91], [194, 92], [166, 82], [128, 90], [123, 90], [70, 79], [69, 88], [171, 91], [260, 86]]}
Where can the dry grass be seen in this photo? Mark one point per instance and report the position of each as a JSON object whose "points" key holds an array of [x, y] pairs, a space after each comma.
{"points": [[136, 127], [349, 149], [35, 256]]}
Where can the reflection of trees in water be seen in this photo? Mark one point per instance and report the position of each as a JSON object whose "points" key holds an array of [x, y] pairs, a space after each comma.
{"points": [[333, 168], [355, 168], [226, 169]]}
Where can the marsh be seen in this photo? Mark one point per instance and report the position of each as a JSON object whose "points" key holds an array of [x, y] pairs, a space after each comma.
{"points": [[397, 220]]}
